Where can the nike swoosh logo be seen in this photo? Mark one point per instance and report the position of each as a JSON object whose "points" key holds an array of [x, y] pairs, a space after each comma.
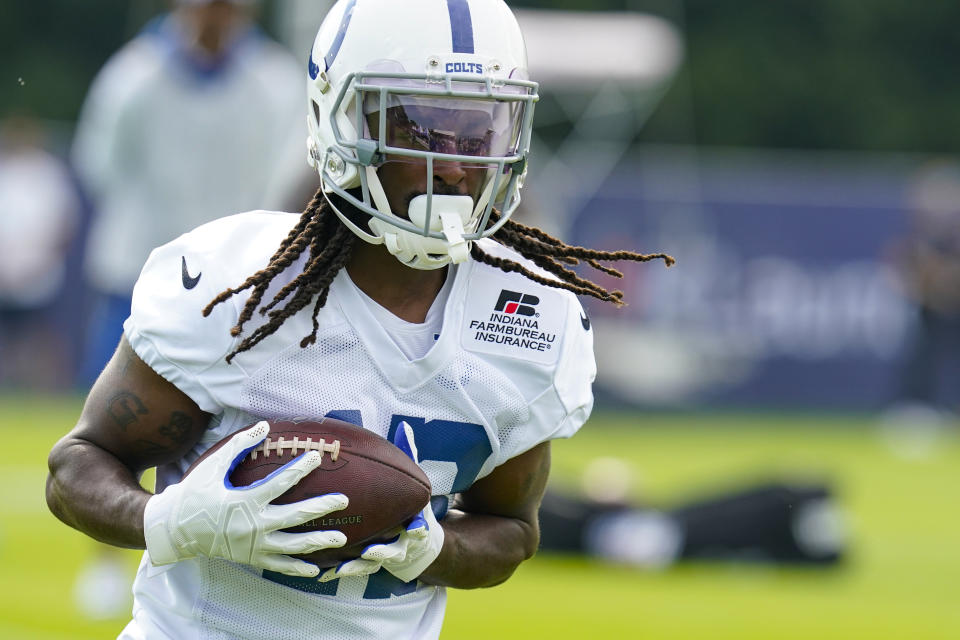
{"points": [[584, 320], [188, 282]]}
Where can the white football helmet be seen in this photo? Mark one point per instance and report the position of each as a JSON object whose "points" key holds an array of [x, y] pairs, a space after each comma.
{"points": [[431, 83]]}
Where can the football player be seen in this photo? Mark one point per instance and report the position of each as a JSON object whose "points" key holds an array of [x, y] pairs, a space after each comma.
{"points": [[403, 299]]}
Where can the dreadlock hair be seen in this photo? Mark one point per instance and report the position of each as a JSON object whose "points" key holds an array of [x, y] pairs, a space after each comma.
{"points": [[331, 244]]}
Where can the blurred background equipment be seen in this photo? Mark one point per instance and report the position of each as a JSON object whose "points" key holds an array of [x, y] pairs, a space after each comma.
{"points": [[785, 299], [799, 160], [769, 522]]}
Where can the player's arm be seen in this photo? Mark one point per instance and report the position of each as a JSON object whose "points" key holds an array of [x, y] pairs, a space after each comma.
{"points": [[133, 419], [494, 527]]}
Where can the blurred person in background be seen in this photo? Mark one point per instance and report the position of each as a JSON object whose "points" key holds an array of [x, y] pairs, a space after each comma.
{"points": [[928, 262], [39, 211], [197, 117]]}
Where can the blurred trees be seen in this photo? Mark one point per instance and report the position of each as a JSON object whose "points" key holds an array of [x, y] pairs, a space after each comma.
{"points": [[821, 74], [51, 50], [796, 73]]}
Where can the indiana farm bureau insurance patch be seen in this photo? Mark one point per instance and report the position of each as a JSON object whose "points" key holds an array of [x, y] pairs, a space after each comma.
{"points": [[522, 321]]}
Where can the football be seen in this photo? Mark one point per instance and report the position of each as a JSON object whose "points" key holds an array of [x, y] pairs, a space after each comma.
{"points": [[385, 487]]}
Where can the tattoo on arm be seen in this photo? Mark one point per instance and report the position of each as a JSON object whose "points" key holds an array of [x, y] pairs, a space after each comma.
{"points": [[150, 450], [124, 408], [178, 429]]}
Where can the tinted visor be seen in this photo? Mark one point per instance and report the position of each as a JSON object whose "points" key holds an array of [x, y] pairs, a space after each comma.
{"points": [[480, 128]]}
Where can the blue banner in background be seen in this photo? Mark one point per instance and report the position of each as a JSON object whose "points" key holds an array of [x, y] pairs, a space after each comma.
{"points": [[784, 294]]}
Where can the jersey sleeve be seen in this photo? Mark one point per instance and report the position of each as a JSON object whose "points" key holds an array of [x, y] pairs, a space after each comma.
{"points": [[576, 371], [541, 340], [564, 407], [559, 395], [166, 327]]}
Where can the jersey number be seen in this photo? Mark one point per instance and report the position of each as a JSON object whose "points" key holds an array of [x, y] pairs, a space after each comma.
{"points": [[464, 444]]}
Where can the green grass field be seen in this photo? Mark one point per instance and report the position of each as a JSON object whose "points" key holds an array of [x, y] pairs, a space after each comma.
{"points": [[901, 580]]}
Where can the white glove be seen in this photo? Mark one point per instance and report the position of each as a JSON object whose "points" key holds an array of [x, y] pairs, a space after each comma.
{"points": [[204, 514], [413, 551]]}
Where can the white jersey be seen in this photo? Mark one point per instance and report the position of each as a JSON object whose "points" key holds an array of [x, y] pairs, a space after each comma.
{"points": [[512, 367]]}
